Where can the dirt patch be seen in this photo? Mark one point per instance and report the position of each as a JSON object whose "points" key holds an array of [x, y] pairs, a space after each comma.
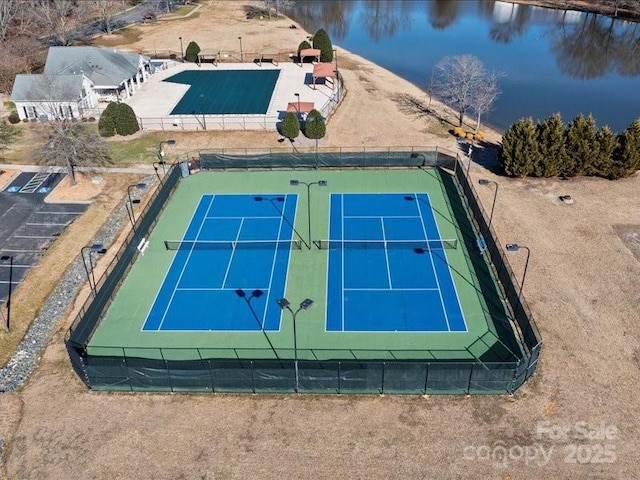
{"points": [[6, 176], [87, 187]]}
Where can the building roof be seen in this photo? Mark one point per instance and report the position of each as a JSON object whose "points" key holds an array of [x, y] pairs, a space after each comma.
{"points": [[42, 88], [103, 66]]}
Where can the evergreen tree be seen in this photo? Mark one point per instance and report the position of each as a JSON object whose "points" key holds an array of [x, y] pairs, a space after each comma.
{"points": [[322, 42], [303, 46], [607, 145], [315, 126], [290, 126], [126, 121], [550, 134], [627, 156], [581, 146], [519, 151], [192, 51]]}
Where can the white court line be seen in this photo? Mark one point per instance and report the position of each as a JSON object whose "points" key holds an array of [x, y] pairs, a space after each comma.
{"points": [[394, 289], [233, 252], [184, 267], [241, 218], [433, 266], [166, 272], [384, 216], [273, 264], [446, 259], [342, 255], [15, 265], [212, 289], [386, 255]]}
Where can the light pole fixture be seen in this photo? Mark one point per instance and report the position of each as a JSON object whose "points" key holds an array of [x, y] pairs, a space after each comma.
{"points": [[320, 183], [4, 258], [241, 54], [306, 304], [469, 152], [204, 120], [417, 155], [161, 160], [484, 181], [97, 248], [298, 95], [256, 294], [514, 247], [181, 50], [139, 186]]}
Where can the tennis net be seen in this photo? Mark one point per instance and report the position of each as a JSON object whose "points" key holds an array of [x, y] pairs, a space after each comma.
{"points": [[232, 245], [387, 244]]}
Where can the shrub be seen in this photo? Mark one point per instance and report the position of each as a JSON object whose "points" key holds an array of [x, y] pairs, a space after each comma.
{"points": [[322, 42], [626, 157], [192, 51], [315, 126], [290, 126], [303, 46], [14, 118], [126, 121], [107, 122]]}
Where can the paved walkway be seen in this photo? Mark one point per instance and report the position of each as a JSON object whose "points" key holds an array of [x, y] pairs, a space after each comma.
{"points": [[39, 168]]}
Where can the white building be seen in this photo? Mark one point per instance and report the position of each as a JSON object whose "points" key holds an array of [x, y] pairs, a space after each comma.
{"points": [[76, 79]]}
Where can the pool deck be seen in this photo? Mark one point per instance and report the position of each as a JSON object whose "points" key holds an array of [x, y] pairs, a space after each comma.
{"points": [[155, 99]]}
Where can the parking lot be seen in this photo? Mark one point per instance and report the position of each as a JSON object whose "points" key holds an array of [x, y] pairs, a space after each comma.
{"points": [[29, 225]]}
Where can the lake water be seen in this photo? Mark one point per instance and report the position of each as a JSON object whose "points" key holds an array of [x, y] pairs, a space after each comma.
{"points": [[552, 60]]}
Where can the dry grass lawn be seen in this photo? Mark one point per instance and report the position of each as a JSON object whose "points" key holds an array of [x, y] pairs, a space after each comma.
{"points": [[582, 285]]}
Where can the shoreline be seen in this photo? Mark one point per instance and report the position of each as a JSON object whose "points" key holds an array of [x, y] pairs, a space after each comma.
{"points": [[600, 8]]}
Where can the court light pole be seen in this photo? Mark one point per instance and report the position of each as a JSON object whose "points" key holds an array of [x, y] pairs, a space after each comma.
{"points": [[484, 181], [469, 152], [161, 160], [417, 155], [514, 247], [181, 50], [257, 294], [97, 248], [139, 186], [306, 304], [241, 54], [298, 96], [320, 183], [4, 258], [204, 119]]}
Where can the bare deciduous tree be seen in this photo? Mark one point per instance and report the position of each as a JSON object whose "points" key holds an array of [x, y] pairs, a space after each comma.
{"points": [[276, 5], [107, 9], [72, 145], [485, 96], [8, 9], [62, 17], [462, 83]]}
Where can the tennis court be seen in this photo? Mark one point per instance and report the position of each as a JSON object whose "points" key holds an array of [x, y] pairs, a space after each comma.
{"points": [[218, 92], [388, 268], [229, 268], [327, 280]]}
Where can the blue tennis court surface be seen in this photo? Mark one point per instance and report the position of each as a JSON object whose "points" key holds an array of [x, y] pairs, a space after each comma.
{"points": [[228, 287], [221, 92], [380, 288]]}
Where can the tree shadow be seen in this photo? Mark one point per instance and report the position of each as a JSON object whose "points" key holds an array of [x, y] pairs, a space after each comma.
{"points": [[412, 105]]}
